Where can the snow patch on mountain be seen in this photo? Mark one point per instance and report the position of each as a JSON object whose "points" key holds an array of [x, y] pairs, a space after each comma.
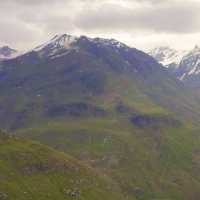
{"points": [[58, 45], [184, 64], [190, 64], [108, 42], [59, 41], [167, 56], [62, 44]]}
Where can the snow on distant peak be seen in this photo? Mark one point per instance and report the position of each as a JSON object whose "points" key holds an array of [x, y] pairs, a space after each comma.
{"points": [[167, 56], [185, 64], [190, 63]]}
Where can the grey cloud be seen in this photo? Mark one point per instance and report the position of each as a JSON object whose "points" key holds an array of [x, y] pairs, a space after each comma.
{"points": [[24, 22], [59, 24], [47, 2], [29, 2], [49, 23], [177, 18], [27, 22], [12, 31], [155, 1]]}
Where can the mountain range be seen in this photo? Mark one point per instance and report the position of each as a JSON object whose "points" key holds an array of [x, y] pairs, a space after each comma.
{"points": [[185, 65], [112, 110]]}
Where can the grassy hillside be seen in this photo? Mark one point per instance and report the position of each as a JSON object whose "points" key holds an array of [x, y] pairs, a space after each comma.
{"points": [[148, 161], [116, 109], [30, 171]]}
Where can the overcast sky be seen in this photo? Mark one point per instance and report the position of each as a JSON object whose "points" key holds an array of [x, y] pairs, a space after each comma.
{"points": [[140, 23]]}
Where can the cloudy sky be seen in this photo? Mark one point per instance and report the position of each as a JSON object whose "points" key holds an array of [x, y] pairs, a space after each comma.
{"points": [[140, 23]]}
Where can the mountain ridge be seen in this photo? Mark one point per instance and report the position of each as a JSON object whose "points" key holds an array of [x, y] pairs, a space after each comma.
{"points": [[167, 56], [186, 68], [111, 106]]}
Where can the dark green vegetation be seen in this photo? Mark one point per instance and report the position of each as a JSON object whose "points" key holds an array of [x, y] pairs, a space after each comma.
{"points": [[30, 171], [114, 108]]}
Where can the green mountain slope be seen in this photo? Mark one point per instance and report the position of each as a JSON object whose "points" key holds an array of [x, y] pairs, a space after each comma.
{"points": [[111, 106], [158, 162], [32, 171], [91, 81]]}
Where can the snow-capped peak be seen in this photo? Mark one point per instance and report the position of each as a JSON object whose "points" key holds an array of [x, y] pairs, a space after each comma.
{"points": [[185, 64], [190, 64], [57, 46], [62, 44], [59, 41], [167, 56]]}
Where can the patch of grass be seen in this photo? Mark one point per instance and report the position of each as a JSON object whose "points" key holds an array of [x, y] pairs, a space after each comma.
{"points": [[146, 163], [32, 171]]}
